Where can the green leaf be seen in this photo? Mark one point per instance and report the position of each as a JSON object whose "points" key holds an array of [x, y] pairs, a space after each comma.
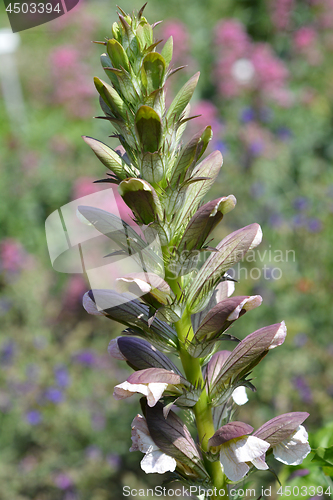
{"points": [[152, 72], [181, 100], [167, 50], [108, 157], [141, 197], [221, 317], [111, 97], [204, 221], [230, 251], [133, 313], [145, 254], [149, 128], [246, 355], [209, 169], [152, 168], [126, 86], [190, 154], [144, 34], [117, 55], [323, 457], [106, 63]]}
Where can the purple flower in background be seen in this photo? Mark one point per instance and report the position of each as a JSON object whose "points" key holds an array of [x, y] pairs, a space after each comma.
{"points": [[299, 473], [303, 389], [299, 221], [98, 421], [85, 358], [314, 225], [63, 481], [247, 115], [256, 148], [284, 133], [300, 339], [266, 114], [113, 460], [7, 352], [257, 189], [93, 453], [5, 306], [33, 417], [54, 395], [301, 203], [62, 376], [276, 220], [221, 146]]}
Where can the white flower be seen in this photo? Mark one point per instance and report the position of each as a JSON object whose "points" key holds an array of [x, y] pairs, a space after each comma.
{"points": [[294, 449], [153, 391], [239, 396], [154, 460], [235, 453], [243, 71]]}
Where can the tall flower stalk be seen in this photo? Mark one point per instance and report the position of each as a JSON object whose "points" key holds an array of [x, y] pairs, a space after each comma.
{"points": [[171, 305]]}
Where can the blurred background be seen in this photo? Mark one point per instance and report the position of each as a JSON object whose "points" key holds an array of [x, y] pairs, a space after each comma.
{"points": [[266, 87]]}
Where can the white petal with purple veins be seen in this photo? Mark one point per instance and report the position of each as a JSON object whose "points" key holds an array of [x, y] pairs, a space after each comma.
{"points": [[294, 449]]}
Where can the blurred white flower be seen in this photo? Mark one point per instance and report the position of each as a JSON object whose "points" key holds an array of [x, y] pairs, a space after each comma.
{"points": [[243, 71]]}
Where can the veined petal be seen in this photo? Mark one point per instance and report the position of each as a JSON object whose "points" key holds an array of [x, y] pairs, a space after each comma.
{"points": [[126, 390], [157, 461], [114, 351], [141, 438], [257, 239], [90, 306], [123, 285], [260, 463], [279, 336], [155, 391], [239, 396], [248, 448], [233, 469], [294, 449]]}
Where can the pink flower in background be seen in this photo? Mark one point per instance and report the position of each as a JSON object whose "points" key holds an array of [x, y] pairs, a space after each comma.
{"points": [[246, 66], [179, 33], [74, 93], [75, 289], [232, 37], [64, 57], [209, 114], [306, 43], [270, 71], [85, 186], [281, 13], [13, 257], [305, 37]]}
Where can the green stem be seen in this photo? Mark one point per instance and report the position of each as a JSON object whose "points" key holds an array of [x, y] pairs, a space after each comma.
{"points": [[202, 409]]}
